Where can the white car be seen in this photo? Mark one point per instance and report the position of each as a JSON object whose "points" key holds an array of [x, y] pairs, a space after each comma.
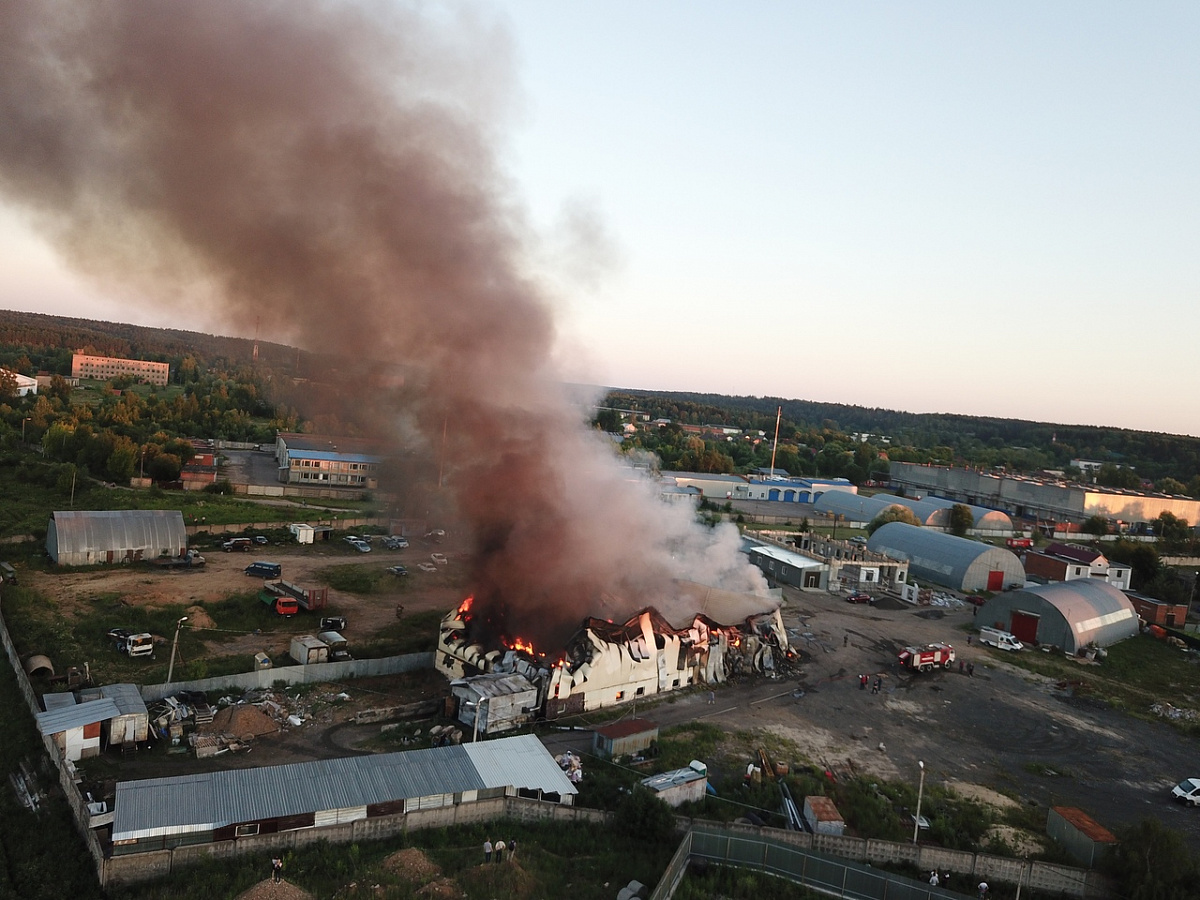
{"points": [[1187, 791], [440, 559], [427, 567], [351, 539]]}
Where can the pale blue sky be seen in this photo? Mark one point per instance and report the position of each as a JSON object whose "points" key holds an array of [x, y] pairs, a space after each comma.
{"points": [[945, 207]]}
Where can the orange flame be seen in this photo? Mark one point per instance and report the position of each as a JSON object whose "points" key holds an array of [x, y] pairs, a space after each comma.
{"points": [[465, 606], [523, 646]]}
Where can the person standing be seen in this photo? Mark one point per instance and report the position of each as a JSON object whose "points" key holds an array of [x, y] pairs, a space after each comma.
{"points": [[878, 685], [512, 850], [276, 869], [499, 851], [862, 682], [487, 850], [712, 697], [970, 670], [983, 889], [933, 878]]}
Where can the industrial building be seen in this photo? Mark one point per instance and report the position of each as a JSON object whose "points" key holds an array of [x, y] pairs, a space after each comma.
{"points": [[1153, 611], [855, 510], [492, 704], [23, 384], [935, 511], [1069, 615], [1066, 562], [326, 461], [161, 813], [96, 537], [106, 368], [945, 559], [1039, 499], [773, 488], [813, 562]]}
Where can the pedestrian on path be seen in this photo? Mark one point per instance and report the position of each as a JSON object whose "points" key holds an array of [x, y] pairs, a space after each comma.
{"points": [[961, 664], [512, 850], [499, 851], [969, 638], [983, 889], [712, 697], [933, 878], [276, 869], [970, 670], [487, 850], [862, 682], [875, 688]]}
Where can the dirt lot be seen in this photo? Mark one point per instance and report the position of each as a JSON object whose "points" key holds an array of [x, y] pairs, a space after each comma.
{"points": [[1001, 730]]}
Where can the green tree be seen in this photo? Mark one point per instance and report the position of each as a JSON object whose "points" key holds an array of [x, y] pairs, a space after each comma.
{"points": [[641, 815], [1170, 486], [1097, 525], [1193, 487], [893, 514], [608, 420], [164, 467], [1172, 531], [1110, 475], [1141, 557], [961, 519], [1152, 862]]}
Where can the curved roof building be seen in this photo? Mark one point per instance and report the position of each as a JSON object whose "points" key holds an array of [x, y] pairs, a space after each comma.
{"points": [[90, 537], [944, 559], [854, 508], [1067, 614], [936, 511]]}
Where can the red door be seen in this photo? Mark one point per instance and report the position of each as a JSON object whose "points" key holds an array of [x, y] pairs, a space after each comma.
{"points": [[995, 581], [1024, 627]]}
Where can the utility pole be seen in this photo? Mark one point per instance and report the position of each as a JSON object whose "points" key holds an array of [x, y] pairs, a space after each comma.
{"points": [[174, 645]]}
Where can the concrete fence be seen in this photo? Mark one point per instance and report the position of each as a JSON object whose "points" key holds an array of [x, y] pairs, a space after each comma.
{"points": [[317, 673]]}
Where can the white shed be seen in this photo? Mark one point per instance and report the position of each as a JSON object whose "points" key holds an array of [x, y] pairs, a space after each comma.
{"points": [[303, 532], [75, 727], [131, 725]]}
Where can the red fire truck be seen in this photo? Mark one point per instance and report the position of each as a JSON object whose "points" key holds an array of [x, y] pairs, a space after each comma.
{"points": [[927, 658]]}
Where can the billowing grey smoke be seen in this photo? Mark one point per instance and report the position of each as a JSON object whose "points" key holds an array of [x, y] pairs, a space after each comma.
{"points": [[328, 170]]}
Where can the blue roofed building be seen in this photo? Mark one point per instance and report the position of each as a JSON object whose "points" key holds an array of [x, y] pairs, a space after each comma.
{"points": [[328, 461]]}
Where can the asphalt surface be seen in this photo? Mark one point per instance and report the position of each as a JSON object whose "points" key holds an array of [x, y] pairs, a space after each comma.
{"points": [[1003, 728]]}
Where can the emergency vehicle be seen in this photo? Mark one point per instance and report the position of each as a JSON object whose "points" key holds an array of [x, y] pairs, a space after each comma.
{"points": [[927, 658]]}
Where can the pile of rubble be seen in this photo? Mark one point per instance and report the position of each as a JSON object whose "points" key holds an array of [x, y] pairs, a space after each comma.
{"points": [[570, 763], [237, 721], [1167, 711]]}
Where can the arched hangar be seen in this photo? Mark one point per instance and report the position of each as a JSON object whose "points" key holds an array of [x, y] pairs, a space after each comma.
{"points": [[1066, 614], [953, 562]]}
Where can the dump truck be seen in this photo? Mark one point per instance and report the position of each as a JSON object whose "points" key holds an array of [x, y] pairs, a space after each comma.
{"points": [[188, 560], [927, 658], [281, 602], [310, 599], [131, 643]]}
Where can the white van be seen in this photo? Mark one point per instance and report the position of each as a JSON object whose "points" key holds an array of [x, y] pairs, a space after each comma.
{"points": [[1001, 639]]}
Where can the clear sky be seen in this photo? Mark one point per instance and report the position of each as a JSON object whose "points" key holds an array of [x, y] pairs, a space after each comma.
{"points": [[979, 208]]}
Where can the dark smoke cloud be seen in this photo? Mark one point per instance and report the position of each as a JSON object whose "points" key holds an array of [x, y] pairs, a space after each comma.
{"points": [[328, 171]]}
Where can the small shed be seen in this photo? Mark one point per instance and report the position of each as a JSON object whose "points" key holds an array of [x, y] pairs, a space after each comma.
{"points": [[1082, 837], [1153, 611], [131, 725], [624, 738], [75, 727], [495, 703], [303, 532], [822, 817], [679, 785]]}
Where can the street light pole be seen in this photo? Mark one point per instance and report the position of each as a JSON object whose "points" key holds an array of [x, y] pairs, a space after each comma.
{"points": [[920, 792], [174, 645]]}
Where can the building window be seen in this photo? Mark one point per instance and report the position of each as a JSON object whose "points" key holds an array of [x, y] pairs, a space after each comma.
{"points": [[246, 830]]}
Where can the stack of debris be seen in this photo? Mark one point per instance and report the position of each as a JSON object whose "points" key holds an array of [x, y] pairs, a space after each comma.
{"points": [[570, 763]]}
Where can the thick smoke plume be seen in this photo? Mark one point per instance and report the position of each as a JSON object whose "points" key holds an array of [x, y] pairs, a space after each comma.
{"points": [[329, 171]]}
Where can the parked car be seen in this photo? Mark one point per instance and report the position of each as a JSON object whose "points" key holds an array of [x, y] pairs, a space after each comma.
{"points": [[351, 539], [361, 546], [261, 539], [395, 543], [427, 567], [436, 535], [1187, 791], [239, 543], [333, 623], [858, 597], [439, 559], [398, 570]]}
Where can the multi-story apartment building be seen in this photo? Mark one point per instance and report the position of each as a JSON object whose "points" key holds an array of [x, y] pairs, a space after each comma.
{"points": [[105, 368]]}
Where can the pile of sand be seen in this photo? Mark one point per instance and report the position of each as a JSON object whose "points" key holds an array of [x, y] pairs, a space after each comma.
{"points": [[269, 890], [413, 865], [198, 617], [244, 722]]}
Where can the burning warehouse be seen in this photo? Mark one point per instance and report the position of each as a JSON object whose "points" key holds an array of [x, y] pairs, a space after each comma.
{"points": [[608, 662]]}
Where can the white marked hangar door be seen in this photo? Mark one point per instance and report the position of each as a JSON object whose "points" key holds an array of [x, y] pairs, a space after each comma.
{"points": [[339, 816]]}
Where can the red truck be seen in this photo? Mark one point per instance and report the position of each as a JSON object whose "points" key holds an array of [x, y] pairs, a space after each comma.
{"points": [[927, 658], [287, 598], [1019, 543]]}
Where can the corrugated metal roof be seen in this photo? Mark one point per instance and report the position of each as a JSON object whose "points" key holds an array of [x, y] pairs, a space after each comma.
{"points": [[674, 778], [127, 697], [202, 802], [1086, 824], [58, 700], [520, 762], [787, 557], [332, 456], [497, 685], [119, 530], [52, 721]]}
